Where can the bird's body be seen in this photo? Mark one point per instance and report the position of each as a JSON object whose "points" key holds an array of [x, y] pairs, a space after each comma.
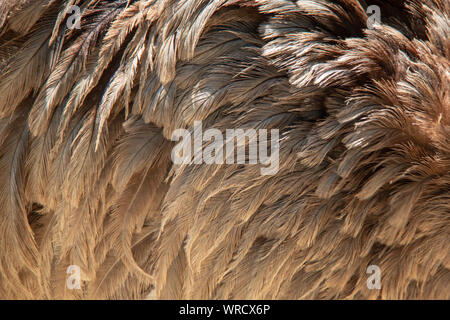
{"points": [[87, 180]]}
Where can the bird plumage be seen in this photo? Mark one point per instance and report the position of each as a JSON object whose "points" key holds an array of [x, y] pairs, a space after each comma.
{"points": [[86, 118]]}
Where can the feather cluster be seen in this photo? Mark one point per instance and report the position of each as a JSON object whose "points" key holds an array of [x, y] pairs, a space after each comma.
{"points": [[86, 177]]}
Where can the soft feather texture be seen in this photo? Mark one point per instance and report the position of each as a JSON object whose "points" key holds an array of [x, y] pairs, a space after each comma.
{"points": [[86, 118]]}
